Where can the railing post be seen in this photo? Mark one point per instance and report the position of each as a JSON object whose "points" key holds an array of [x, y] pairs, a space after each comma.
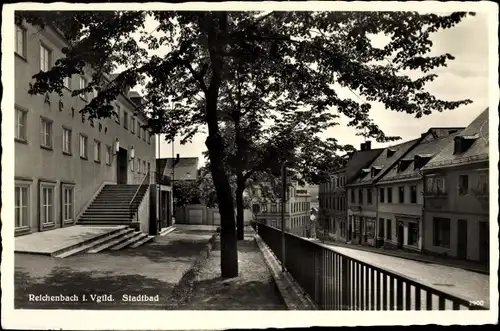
{"points": [[345, 288]]}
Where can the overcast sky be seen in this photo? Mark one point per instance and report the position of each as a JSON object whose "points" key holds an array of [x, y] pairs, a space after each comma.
{"points": [[466, 77]]}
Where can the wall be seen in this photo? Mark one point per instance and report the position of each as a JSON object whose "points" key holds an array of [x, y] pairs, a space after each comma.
{"points": [[34, 164], [143, 213], [200, 214]]}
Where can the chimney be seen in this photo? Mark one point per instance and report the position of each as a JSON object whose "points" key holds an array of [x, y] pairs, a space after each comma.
{"points": [[368, 145], [363, 146]]}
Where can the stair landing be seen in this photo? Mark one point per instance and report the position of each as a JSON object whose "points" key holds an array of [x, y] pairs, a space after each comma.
{"points": [[56, 241]]}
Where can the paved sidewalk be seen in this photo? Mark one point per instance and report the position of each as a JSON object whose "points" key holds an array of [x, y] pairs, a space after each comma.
{"points": [[466, 265], [150, 270], [253, 289]]}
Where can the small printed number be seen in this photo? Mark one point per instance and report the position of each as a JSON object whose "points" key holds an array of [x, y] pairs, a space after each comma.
{"points": [[476, 303]]}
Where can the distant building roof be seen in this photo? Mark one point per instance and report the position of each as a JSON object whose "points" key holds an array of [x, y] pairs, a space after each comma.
{"points": [[478, 132], [384, 161], [360, 159], [185, 169], [432, 142]]}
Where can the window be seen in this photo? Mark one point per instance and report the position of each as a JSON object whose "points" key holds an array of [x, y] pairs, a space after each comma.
{"points": [[125, 120], [108, 155], [132, 162], [46, 133], [67, 194], [144, 167], [21, 197], [97, 151], [45, 55], [370, 228], [273, 208], [83, 84], [381, 228], [389, 195], [369, 196], [401, 191], [388, 234], [67, 83], [264, 207], [83, 147], [360, 195], [463, 184], [132, 124], [47, 201], [440, 185], [21, 116], [413, 234], [413, 194], [429, 187], [118, 113], [382, 194], [139, 130], [66, 141], [483, 184], [441, 232], [138, 165], [149, 138], [21, 41], [352, 196]]}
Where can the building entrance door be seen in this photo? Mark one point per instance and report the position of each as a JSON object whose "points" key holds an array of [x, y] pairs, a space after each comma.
{"points": [[462, 239], [401, 235], [121, 166]]}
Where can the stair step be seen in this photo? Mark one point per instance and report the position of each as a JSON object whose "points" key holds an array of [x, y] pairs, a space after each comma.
{"points": [[86, 247], [105, 222], [136, 236], [142, 241], [113, 242], [107, 211], [122, 239]]}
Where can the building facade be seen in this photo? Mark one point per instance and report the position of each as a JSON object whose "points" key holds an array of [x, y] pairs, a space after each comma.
{"points": [[400, 192], [297, 208], [61, 158], [363, 198], [456, 196], [332, 205]]}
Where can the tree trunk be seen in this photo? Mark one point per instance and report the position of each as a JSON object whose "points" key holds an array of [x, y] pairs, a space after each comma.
{"points": [[217, 28], [240, 187]]}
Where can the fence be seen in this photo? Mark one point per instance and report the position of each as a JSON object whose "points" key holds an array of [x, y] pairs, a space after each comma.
{"points": [[338, 282]]}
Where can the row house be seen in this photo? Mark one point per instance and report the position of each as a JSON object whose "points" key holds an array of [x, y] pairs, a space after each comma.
{"points": [[400, 192], [363, 197], [456, 196], [333, 194], [62, 159], [267, 209]]}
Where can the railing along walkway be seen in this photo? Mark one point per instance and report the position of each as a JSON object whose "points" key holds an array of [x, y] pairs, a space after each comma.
{"points": [[335, 281]]}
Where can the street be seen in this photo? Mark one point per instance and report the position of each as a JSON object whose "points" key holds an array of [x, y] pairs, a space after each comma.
{"points": [[465, 284]]}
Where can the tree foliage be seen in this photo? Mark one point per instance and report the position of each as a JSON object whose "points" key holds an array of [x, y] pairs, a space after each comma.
{"points": [[295, 58]]}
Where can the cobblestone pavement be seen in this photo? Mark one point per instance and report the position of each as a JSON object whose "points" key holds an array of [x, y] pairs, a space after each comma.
{"points": [[465, 284], [253, 289], [152, 269]]}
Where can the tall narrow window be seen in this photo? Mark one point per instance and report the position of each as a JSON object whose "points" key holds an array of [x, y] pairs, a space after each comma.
{"points": [[67, 82], [21, 198], [360, 196], [67, 194], [46, 133], [21, 41], [45, 55], [83, 84], [463, 184], [118, 113], [132, 124], [389, 195], [47, 208], [108, 155], [97, 151], [125, 120], [369, 196], [483, 184], [21, 116], [83, 147], [382, 194], [413, 194], [401, 193], [66, 141]]}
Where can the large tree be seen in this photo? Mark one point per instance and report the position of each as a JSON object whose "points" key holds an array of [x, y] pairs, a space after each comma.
{"points": [[306, 52]]}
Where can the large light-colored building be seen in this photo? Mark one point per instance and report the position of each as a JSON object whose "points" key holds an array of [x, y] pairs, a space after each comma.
{"points": [[400, 192], [63, 160], [267, 209], [456, 198]]}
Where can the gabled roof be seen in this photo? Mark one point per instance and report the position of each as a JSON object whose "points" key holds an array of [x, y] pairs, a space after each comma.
{"points": [[185, 169], [478, 151], [431, 144], [359, 160], [385, 160]]}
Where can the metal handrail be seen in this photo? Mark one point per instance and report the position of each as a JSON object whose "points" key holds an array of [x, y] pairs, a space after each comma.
{"points": [[337, 281], [136, 192]]}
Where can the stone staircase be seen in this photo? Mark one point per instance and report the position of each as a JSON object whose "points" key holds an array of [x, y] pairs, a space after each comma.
{"points": [[120, 238], [112, 205]]}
